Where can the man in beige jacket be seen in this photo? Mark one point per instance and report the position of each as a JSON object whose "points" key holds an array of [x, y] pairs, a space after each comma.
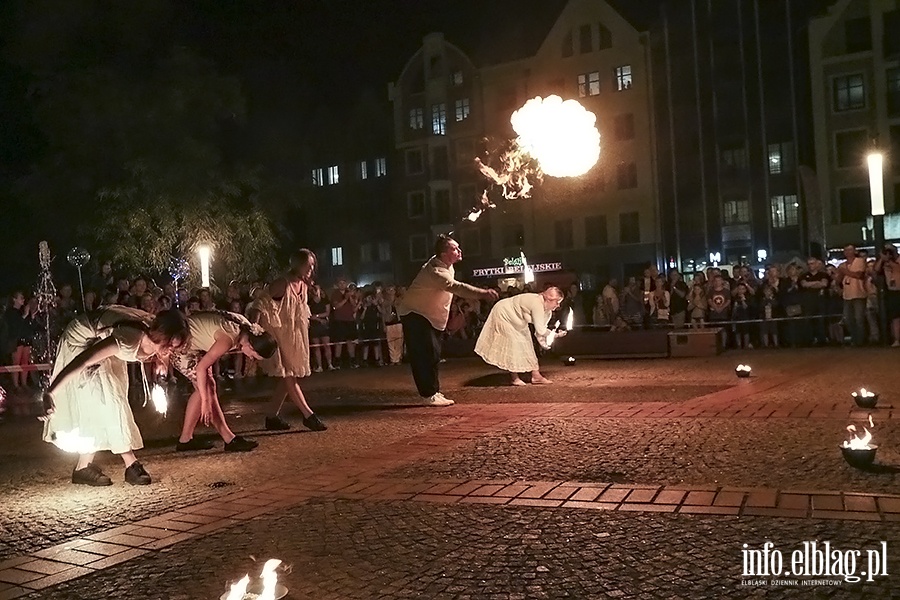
{"points": [[424, 311]]}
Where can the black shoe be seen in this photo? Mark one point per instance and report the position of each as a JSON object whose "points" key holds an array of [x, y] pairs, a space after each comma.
{"points": [[137, 475], [239, 444], [276, 423], [91, 475], [313, 423], [194, 444]]}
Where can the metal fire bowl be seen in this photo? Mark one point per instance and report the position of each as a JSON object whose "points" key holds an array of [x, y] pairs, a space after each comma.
{"points": [[859, 458], [742, 373], [866, 401], [257, 588]]}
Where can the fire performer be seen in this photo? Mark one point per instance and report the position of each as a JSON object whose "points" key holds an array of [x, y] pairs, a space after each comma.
{"points": [[424, 311], [505, 339], [214, 334], [86, 404], [283, 311]]}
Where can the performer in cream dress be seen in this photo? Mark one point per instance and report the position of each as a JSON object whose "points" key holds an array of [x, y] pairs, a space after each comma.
{"points": [[213, 335], [283, 311], [505, 340], [86, 406]]}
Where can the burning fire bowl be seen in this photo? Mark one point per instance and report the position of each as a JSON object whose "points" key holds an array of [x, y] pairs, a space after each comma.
{"points": [[859, 457], [865, 401], [255, 590]]}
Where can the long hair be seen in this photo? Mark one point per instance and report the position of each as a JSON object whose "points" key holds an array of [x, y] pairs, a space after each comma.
{"points": [[168, 327], [304, 256], [263, 343]]}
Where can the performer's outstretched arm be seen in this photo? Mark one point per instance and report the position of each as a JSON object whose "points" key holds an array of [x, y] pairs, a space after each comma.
{"points": [[91, 356]]}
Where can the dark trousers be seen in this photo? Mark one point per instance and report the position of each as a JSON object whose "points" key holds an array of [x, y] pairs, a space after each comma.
{"points": [[423, 349]]}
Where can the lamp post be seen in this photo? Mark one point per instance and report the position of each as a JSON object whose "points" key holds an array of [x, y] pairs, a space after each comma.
{"points": [[875, 161], [203, 251]]}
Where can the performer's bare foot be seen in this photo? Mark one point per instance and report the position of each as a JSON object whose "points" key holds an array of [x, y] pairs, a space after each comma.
{"points": [[518, 381], [540, 380]]}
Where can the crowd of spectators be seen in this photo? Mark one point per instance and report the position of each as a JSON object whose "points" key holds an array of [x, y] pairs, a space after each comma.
{"points": [[793, 304]]}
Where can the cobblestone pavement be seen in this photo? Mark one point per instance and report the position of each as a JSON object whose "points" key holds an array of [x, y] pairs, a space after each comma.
{"points": [[783, 454], [363, 550], [393, 500]]}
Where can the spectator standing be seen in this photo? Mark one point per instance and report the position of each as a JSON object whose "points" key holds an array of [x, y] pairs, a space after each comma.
{"points": [[792, 301], [742, 310], [697, 300], [661, 303], [610, 295], [372, 328], [319, 336], [393, 330], [888, 265], [678, 298], [343, 323], [852, 275], [424, 312], [814, 287], [719, 301], [768, 309], [872, 317], [835, 306], [632, 304]]}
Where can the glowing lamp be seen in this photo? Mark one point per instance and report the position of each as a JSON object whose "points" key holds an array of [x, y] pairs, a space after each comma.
{"points": [[876, 183], [742, 370]]}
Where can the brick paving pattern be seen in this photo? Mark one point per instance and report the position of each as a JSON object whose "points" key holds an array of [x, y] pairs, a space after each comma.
{"points": [[623, 480]]}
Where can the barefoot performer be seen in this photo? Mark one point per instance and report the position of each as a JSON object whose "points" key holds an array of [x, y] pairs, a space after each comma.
{"points": [[86, 405], [213, 335], [505, 340]]}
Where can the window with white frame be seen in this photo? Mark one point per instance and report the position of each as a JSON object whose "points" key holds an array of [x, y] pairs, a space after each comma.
{"points": [[416, 118], [333, 176], [785, 211], [384, 251], [589, 84], [414, 162], [318, 177], [439, 119], [380, 167], [623, 78], [418, 246], [849, 92], [362, 169], [415, 204], [365, 253], [736, 211], [781, 157], [462, 109], [337, 256]]}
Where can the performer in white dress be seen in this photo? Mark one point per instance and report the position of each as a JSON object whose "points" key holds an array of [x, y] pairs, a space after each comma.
{"points": [[505, 340], [283, 311], [214, 334], [86, 405]]}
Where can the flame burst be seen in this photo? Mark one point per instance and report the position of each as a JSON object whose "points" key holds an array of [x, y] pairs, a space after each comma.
{"points": [[158, 397], [555, 137], [858, 442], [72, 441], [561, 135]]}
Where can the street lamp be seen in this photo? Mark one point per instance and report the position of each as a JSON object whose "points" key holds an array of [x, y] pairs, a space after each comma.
{"points": [[203, 252], [876, 192]]}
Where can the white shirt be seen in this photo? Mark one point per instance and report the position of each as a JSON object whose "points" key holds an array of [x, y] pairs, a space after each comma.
{"points": [[432, 291]]}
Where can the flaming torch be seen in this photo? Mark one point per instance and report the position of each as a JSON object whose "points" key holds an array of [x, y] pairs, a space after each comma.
{"points": [[527, 272], [203, 252], [858, 451], [269, 589], [158, 397], [554, 333]]}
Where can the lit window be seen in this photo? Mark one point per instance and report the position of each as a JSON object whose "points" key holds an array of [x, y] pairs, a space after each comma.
{"points": [[781, 157], [337, 256], [415, 204], [439, 119], [365, 253], [363, 168], [333, 177], [384, 251], [785, 211], [849, 92], [456, 78], [462, 109], [589, 84], [417, 118], [318, 177], [380, 167], [736, 211], [623, 78]]}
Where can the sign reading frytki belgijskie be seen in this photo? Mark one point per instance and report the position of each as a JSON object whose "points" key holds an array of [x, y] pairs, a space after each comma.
{"points": [[512, 266]]}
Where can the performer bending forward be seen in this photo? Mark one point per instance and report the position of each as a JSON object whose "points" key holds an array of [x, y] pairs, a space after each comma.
{"points": [[213, 334], [87, 402], [284, 313], [505, 340]]}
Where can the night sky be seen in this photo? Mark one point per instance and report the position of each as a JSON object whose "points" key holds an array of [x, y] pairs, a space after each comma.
{"points": [[290, 57]]}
